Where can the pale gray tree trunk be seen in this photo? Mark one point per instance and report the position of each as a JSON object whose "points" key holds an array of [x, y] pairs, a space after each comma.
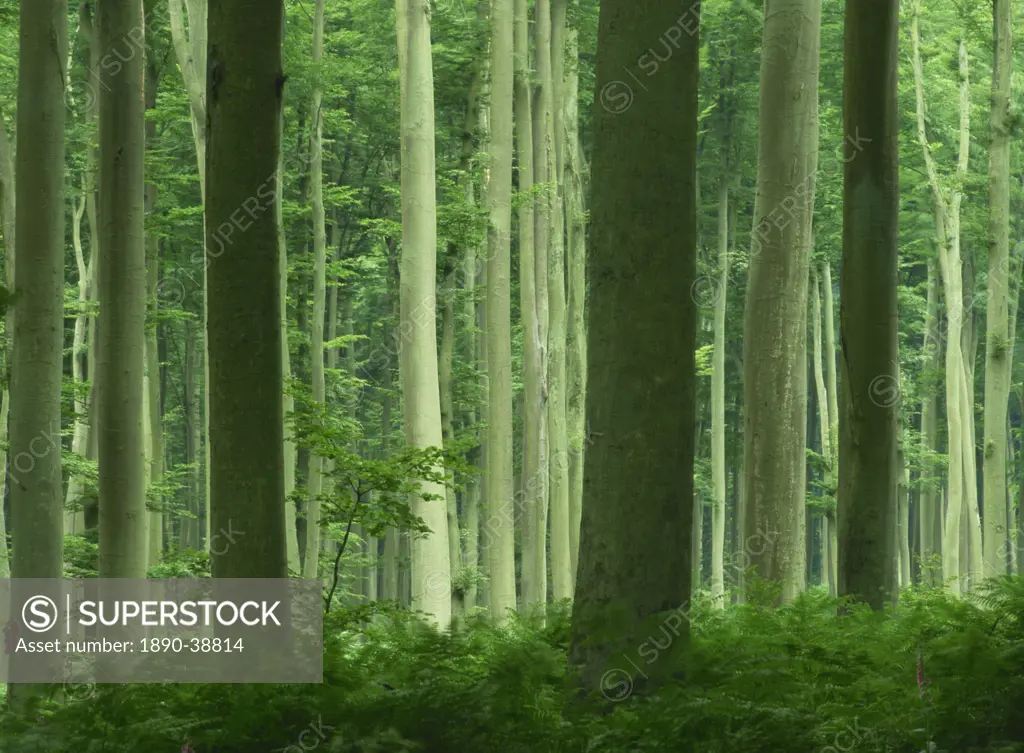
{"points": [[576, 339], [500, 536], [431, 566], [998, 346], [315, 481]]}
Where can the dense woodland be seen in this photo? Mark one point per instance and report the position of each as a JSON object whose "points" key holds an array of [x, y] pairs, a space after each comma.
{"points": [[636, 375]]}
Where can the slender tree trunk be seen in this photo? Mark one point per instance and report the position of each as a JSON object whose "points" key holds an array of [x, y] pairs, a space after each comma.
{"points": [[998, 350], [499, 541], [833, 424], [903, 521], [558, 458], [929, 512], [290, 449], [153, 417], [244, 98], [824, 417], [431, 566], [869, 390], [576, 340], [122, 294], [634, 558], [74, 519], [315, 482], [718, 470], [534, 474], [959, 402], [776, 306], [7, 227]]}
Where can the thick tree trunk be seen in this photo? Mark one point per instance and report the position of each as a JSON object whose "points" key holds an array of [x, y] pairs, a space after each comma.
{"points": [[775, 334], [634, 553], [36, 363], [869, 389], [122, 295], [998, 349], [431, 566], [244, 97]]}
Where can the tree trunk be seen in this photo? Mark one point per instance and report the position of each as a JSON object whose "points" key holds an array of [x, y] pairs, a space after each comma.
{"points": [[998, 349], [154, 418], [431, 566], [824, 417], [576, 339], [869, 389], [36, 364], [929, 512], [7, 227], [497, 451], [775, 335], [290, 450], [636, 526], [558, 438], [718, 470], [122, 294], [959, 402], [315, 482], [534, 474], [244, 93]]}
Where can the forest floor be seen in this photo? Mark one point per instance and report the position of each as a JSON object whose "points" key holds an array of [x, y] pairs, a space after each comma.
{"points": [[936, 674]]}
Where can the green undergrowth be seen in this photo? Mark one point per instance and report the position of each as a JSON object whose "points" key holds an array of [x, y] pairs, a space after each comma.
{"points": [[938, 674]]}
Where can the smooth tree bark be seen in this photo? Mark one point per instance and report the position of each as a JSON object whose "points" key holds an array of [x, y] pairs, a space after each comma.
{"points": [[499, 536], [929, 516], [290, 448], [7, 229], [832, 384], [431, 566], [869, 389], [317, 465], [634, 570], [243, 137], [37, 360], [998, 347], [558, 437], [123, 523], [534, 478], [576, 337], [775, 333], [823, 415], [153, 417], [959, 401], [190, 48], [721, 288]]}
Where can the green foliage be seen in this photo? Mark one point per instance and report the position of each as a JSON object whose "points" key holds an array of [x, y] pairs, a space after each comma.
{"points": [[757, 680]]}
